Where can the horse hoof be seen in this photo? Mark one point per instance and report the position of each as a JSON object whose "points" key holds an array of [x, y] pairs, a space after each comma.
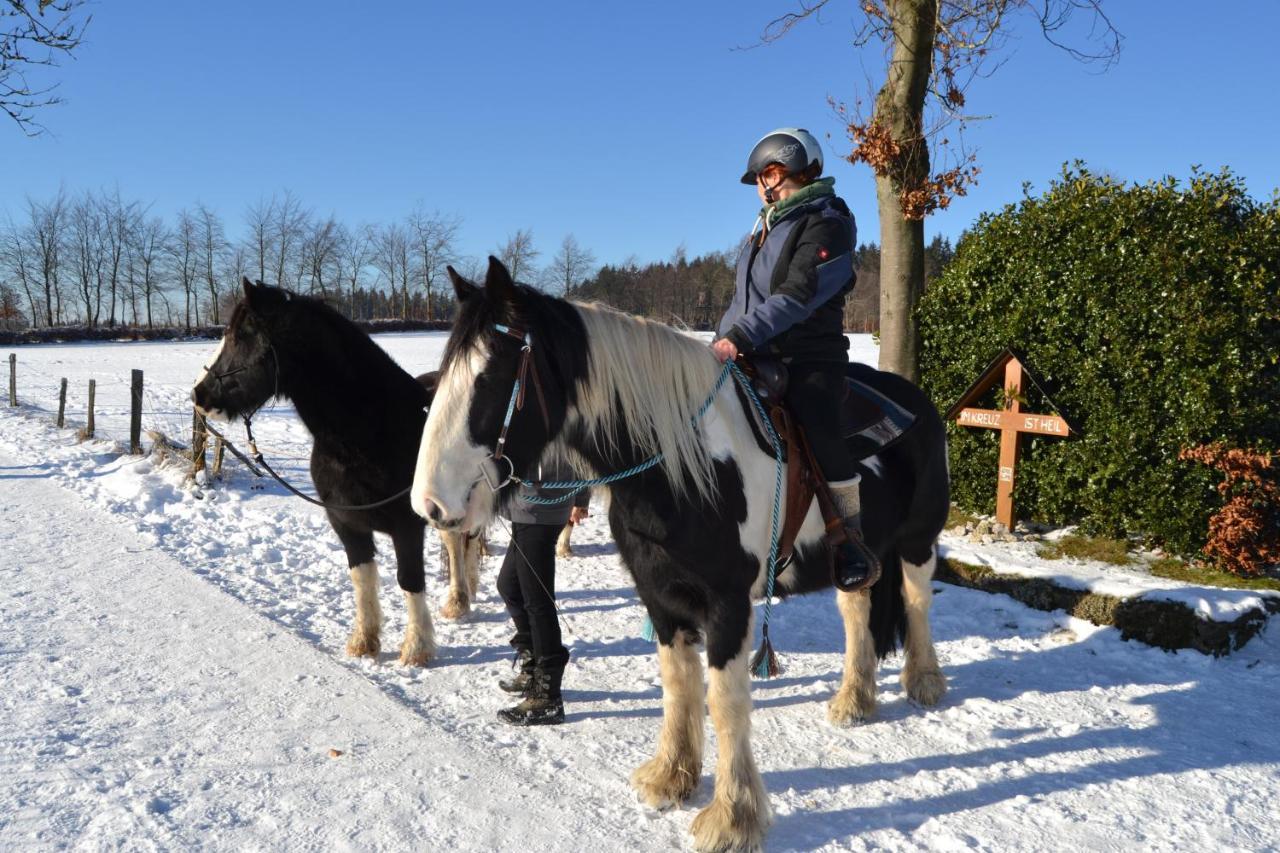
{"points": [[848, 707], [364, 645], [661, 786], [564, 552], [728, 826], [455, 608], [926, 688], [416, 652]]}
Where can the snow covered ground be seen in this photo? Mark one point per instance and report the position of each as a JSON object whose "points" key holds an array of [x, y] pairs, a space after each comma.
{"points": [[174, 676]]}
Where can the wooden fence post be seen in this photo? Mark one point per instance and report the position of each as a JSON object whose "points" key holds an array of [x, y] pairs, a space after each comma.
{"points": [[13, 379], [93, 392], [199, 437], [62, 404], [135, 414], [219, 453]]}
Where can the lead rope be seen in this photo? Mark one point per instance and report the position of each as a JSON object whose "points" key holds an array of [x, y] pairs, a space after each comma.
{"points": [[764, 664]]}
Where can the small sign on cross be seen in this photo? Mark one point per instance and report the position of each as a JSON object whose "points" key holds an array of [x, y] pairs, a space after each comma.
{"points": [[1011, 421]]}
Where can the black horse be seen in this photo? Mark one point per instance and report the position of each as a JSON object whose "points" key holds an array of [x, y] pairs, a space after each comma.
{"points": [[612, 391], [366, 415]]}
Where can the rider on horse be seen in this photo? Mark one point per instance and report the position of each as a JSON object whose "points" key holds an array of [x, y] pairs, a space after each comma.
{"points": [[793, 275]]}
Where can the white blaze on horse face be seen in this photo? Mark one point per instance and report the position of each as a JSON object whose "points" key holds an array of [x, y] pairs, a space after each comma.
{"points": [[449, 463], [216, 414]]}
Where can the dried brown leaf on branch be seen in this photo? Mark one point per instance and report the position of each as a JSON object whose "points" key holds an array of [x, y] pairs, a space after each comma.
{"points": [[1244, 536]]}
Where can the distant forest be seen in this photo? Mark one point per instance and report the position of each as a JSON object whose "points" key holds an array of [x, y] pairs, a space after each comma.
{"points": [[102, 262]]}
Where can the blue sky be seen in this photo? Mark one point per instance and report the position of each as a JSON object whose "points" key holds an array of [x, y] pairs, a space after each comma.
{"points": [[625, 124]]}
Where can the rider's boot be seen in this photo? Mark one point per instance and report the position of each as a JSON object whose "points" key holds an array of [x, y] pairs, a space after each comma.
{"points": [[856, 567]]}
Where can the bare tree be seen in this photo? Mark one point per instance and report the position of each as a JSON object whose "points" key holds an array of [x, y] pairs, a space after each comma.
{"points": [[572, 263], [434, 242], [391, 259], [147, 248], [933, 50], [319, 253], [19, 260], [211, 248], [34, 34], [518, 253], [288, 226], [87, 256], [117, 220], [261, 240], [46, 234], [353, 257], [184, 256]]}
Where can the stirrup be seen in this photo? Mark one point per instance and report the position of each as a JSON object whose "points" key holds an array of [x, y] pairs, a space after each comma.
{"points": [[873, 566]]}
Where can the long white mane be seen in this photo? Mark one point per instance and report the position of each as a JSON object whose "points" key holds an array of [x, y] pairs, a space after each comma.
{"points": [[654, 379]]}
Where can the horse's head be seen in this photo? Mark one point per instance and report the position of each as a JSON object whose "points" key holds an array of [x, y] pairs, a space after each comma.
{"points": [[458, 480], [245, 372]]}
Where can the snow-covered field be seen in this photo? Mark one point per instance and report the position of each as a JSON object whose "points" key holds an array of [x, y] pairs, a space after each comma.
{"points": [[173, 676]]}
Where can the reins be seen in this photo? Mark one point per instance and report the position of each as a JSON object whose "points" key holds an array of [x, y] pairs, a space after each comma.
{"points": [[764, 663], [255, 455]]}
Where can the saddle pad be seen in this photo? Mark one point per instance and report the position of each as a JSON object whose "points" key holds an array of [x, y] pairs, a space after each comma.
{"points": [[870, 421]]}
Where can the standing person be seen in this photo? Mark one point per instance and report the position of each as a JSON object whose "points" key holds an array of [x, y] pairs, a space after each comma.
{"points": [[793, 275], [527, 584]]}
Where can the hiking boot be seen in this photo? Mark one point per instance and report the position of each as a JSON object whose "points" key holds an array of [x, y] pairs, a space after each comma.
{"points": [[856, 567], [524, 678], [542, 705]]}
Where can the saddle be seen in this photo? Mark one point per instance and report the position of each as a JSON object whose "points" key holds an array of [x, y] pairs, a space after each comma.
{"points": [[869, 421]]}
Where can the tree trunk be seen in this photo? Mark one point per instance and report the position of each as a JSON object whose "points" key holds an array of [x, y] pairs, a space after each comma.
{"points": [[900, 109]]}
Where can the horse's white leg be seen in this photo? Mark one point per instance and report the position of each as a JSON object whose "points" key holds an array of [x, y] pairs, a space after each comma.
{"points": [[563, 548], [671, 775], [921, 675], [474, 546], [458, 604], [739, 812], [856, 698], [365, 640], [419, 644]]}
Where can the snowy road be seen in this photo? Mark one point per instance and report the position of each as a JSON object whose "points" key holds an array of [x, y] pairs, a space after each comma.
{"points": [[173, 677]]}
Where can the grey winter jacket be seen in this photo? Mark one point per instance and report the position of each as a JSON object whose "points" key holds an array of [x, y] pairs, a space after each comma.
{"points": [[521, 511], [788, 298]]}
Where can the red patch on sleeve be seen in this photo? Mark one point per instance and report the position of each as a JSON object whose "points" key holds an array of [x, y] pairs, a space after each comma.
{"points": [[823, 254]]}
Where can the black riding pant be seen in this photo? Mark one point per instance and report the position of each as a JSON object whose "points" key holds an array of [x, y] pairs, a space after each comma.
{"points": [[527, 584], [815, 391]]}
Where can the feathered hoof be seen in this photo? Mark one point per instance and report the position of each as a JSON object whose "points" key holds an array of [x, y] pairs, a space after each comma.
{"points": [[362, 644], [730, 826], [564, 551], [416, 650], [662, 785], [456, 608], [850, 706], [925, 687]]}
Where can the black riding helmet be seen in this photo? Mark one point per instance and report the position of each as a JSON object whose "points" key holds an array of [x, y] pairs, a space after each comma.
{"points": [[792, 147]]}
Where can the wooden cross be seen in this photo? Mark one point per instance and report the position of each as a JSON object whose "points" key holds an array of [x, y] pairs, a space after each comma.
{"points": [[1011, 421]]}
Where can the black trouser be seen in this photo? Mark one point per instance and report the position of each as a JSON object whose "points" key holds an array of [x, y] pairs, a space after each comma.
{"points": [[814, 393], [527, 583]]}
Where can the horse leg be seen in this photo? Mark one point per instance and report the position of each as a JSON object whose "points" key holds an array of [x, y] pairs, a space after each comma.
{"points": [[458, 604], [419, 644], [474, 549], [739, 812], [671, 775], [921, 676], [856, 698], [563, 548], [366, 629]]}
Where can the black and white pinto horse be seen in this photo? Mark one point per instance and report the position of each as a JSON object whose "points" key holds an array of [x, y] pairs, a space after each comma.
{"points": [[366, 415], [694, 532]]}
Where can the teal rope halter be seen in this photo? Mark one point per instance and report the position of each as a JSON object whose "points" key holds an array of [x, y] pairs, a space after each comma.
{"points": [[764, 664]]}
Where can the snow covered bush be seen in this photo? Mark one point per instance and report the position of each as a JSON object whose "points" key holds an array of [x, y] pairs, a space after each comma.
{"points": [[1150, 313]]}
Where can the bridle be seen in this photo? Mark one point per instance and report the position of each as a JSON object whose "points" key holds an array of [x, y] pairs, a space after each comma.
{"points": [[526, 374]]}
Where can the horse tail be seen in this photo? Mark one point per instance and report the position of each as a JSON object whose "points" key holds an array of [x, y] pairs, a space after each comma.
{"points": [[888, 608]]}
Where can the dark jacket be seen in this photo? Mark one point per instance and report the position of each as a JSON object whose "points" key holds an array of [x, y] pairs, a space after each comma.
{"points": [[521, 511], [789, 294]]}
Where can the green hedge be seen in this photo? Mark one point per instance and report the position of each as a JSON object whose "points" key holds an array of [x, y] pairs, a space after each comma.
{"points": [[1152, 313]]}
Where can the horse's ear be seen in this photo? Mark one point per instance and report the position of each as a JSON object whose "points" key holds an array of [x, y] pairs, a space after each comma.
{"points": [[248, 287], [498, 285], [463, 288]]}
